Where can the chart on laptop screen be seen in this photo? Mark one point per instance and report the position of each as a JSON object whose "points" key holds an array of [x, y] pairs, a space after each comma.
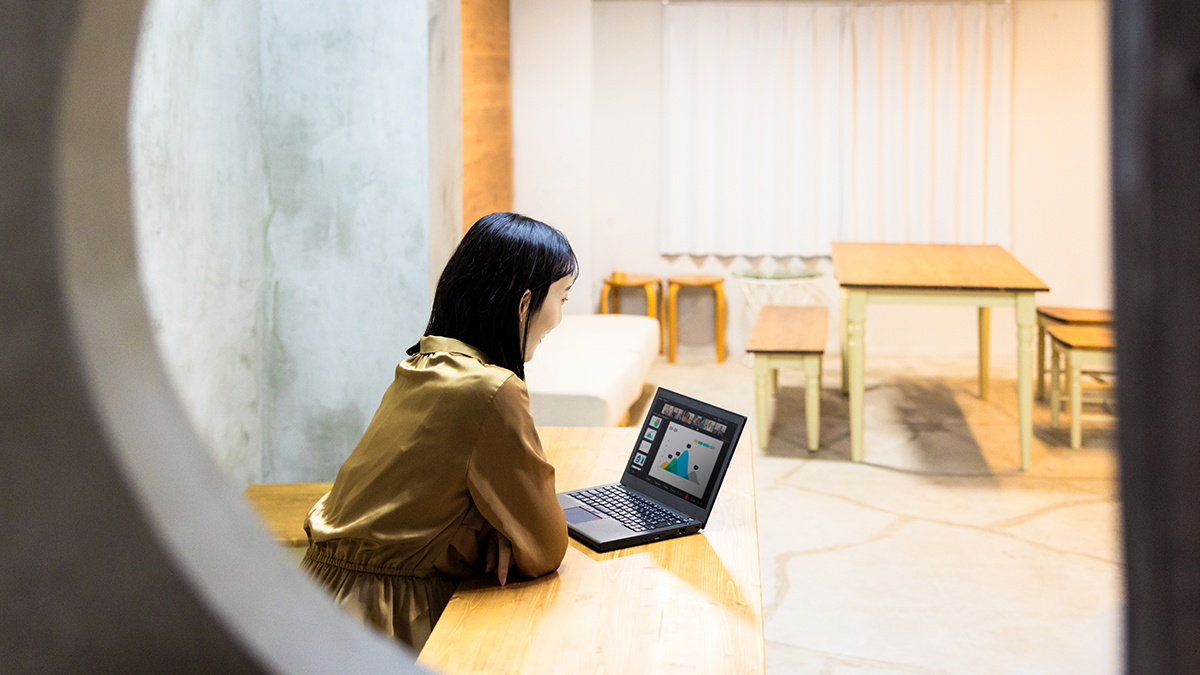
{"points": [[686, 459]]}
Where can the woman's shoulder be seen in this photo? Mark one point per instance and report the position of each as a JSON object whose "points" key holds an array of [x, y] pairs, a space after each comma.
{"points": [[457, 366]]}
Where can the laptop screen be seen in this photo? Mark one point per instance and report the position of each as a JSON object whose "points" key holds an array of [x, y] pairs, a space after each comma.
{"points": [[684, 446]]}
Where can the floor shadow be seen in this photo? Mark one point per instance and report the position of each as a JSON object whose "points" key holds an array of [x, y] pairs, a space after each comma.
{"points": [[912, 424], [1102, 436]]}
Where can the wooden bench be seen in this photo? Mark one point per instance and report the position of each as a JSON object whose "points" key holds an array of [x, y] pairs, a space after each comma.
{"points": [[1063, 316], [1086, 348], [789, 337]]}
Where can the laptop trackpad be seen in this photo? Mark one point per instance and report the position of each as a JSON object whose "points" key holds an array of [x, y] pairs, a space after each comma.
{"points": [[579, 515]]}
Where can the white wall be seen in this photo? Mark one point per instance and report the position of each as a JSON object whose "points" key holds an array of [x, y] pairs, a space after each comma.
{"points": [[551, 63], [1061, 153], [1060, 174]]}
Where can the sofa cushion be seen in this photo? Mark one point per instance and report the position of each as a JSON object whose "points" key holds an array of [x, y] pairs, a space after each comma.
{"points": [[590, 369], [607, 332]]}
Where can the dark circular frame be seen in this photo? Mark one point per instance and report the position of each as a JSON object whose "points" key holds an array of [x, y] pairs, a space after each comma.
{"points": [[129, 549]]}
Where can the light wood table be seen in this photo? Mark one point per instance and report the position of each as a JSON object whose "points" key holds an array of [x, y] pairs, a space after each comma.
{"points": [[284, 506], [692, 604], [982, 276], [788, 337]]}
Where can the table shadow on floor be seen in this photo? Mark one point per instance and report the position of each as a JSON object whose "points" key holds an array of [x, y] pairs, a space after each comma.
{"points": [[911, 424]]}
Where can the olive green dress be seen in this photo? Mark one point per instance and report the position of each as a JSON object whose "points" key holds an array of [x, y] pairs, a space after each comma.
{"points": [[451, 454]]}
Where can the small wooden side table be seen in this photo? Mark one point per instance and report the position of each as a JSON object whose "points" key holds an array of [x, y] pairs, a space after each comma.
{"points": [[789, 337], [1063, 316], [1086, 348], [695, 280], [618, 280]]}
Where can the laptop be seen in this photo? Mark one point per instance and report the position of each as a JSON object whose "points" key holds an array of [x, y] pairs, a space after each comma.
{"points": [[670, 481]]}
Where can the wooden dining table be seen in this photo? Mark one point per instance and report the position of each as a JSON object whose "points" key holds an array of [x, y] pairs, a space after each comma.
{"points": [[982, 276], [691, 604]]}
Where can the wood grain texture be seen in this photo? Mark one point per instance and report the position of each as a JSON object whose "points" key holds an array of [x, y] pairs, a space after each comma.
{"points": [[931, 266], [790, 329], [1088, 338], [284, 506], [1077, 315], [487, 110], [692, 604]]}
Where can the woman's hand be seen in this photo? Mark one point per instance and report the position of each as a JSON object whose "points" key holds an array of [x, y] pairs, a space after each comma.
{"points": [[499, 555]]}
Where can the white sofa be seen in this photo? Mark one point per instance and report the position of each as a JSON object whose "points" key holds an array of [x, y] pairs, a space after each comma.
{"points": [[590, 369]]}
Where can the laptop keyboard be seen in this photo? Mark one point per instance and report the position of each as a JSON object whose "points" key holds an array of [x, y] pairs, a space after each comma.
{"points": [[632, 511]]}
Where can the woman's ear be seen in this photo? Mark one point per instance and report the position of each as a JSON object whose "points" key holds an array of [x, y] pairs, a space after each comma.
{"points": [[523, 307]]}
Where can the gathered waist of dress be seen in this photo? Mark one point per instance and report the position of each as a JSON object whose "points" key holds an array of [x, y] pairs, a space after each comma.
{"points": [[334, 561]]}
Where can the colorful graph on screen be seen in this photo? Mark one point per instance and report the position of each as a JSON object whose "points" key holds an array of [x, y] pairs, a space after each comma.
{"points": [[679, 467], [685, 458]]}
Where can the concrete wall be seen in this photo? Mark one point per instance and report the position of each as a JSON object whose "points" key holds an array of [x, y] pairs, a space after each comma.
{"points": [[199, 190], [445, 134], [282, 197], [1060, 174], [346, 288]]}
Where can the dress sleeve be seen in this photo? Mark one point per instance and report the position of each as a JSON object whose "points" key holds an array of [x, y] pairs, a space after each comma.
{"points": [[513, 484]]}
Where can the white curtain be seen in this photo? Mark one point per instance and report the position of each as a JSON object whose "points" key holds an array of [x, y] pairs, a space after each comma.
{"points": [[791, 125]]}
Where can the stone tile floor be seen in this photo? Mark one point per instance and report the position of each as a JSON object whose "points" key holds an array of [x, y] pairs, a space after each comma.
{"points": [[936, 554]]}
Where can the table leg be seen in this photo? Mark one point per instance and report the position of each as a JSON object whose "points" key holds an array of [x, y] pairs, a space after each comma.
{"points": [[672, 320], [1026, 315], [1074, 375], [605, 289], [720, 327], [1055, 386], [762, 397], [856, 317], [652, 310], [812, 400], [1041, 359], [616, 300], [843, 322], [985, 342]]}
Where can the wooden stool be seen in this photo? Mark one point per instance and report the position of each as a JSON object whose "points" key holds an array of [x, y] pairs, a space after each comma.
{"points": [[673, 286], [789, 337], [1063, 316], [1086, 348], [619, 280]]}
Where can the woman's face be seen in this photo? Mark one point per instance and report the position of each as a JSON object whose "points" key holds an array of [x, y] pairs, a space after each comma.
{"points": [[548, 315]]}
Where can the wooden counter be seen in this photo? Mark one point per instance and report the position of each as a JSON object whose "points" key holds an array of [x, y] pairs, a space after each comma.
{"points": [[692, 604]]}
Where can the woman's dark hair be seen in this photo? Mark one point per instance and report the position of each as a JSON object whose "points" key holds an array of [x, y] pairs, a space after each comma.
{"points": [[479, 292]]}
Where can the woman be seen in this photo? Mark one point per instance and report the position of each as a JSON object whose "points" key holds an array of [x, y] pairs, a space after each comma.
{"points": [[450, 479]]}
